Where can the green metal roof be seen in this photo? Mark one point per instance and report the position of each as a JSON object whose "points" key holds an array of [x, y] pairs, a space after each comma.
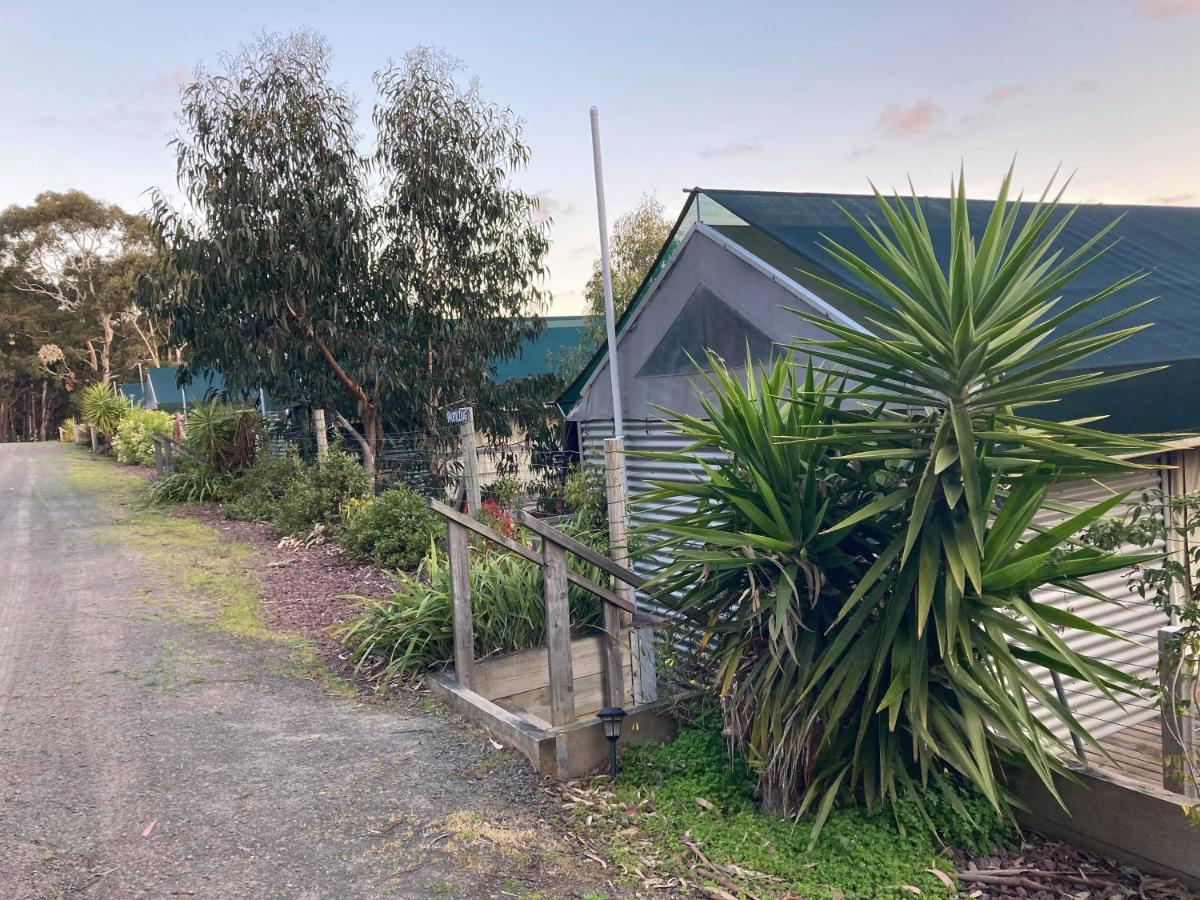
{"points": [[133, 392], [169, 396], [539, 355], [786, 231]]}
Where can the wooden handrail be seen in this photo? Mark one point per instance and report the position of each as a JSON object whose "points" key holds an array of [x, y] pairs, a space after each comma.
{"points": [[533, 556], [556, 576], [616, 570]]}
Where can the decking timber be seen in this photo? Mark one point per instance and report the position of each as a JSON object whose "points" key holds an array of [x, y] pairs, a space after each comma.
{"points": [[1136, 754]]}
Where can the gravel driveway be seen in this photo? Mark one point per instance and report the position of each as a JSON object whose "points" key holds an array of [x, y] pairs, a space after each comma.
{"points": [[144, 751]]}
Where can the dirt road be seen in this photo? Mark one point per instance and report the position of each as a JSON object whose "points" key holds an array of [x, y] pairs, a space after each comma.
{"points": [[147, 751]]}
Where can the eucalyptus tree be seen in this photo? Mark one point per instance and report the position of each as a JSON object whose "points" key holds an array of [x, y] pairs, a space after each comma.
{"points": [[462, 250], [387, 282], [73, 251], [270, 259]]}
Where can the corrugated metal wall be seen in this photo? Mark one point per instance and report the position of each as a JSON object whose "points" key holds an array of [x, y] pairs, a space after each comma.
{"points": [[1136, 620]]}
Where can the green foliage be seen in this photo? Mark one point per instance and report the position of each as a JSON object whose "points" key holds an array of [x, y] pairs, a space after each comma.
{"points": [[411, 631], [103, 406], [189, 483], [506, 491], [134, 440], [318, 496], [586, 498], [393, 530], [225, 438], [860, 557], [383, 285], [859, 854], [256, 493]]}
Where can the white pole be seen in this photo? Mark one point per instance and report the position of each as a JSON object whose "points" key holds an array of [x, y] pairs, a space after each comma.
{"points": [[610, 321]]}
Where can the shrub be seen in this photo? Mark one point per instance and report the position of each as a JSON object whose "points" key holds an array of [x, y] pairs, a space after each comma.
{"points": [[393, 530], [103, 406], [412, 630], [67, 429], [190, 483], [256, 493], [319, 495], [585, 496], [226, 438], [505, 491], [134, 440]]}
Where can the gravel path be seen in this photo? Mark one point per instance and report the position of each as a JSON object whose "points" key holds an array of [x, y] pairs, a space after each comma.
{"points": [[146, 752]]}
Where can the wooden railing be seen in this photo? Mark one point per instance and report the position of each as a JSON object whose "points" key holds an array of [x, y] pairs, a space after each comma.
{"points": [[619, 610], [165, 448]]}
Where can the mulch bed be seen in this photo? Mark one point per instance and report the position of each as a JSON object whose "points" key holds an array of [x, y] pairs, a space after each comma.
{"points": [[1045, 869], [304, 589]]}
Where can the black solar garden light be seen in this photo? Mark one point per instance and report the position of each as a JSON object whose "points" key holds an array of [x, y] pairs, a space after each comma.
{"points": [[611, 717]]}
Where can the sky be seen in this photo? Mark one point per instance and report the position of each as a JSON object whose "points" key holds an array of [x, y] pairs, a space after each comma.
{"points": [[791, 96]]}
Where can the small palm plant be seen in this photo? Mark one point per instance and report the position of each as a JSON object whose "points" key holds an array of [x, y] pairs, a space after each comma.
{"points": [[901, 657]]}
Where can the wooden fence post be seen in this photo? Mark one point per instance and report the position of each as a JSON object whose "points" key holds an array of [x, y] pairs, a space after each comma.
{"points": [[460, 594], [470, 454], [318, 416], [158, 456], [1180, 725], [641, 641], [95, 439], [558, 634], [169, 452]]}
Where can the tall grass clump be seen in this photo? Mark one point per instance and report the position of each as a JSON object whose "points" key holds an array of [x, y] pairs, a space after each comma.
{"points": [[863, 561], [406, 634]]}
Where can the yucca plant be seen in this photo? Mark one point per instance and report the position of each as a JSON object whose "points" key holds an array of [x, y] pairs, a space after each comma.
{"points": [[102, 406], [919, 620]]}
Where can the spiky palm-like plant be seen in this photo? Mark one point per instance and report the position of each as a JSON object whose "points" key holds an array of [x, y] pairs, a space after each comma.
{"points": [[918, 623]]}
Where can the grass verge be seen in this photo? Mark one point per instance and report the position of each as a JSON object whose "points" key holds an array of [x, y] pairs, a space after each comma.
{"points": [[195, 573]]}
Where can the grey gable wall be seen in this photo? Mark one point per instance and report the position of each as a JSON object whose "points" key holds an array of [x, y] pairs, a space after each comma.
{"points": [[702, 260]]}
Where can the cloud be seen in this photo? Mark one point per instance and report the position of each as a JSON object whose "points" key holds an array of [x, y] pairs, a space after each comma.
{"points": [[1085, 86], [739, 147], [1169, 9], [1176, 199], [1002, 93], [173, 79], [551, 206], [918, 120]]}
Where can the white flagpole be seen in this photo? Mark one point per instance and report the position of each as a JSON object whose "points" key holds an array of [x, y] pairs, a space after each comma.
{"points": [[610, 322]]}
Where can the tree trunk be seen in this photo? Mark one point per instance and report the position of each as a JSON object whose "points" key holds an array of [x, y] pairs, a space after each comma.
{"points": [[322, 434], [43, 423], [371, 436], [106, 349]]}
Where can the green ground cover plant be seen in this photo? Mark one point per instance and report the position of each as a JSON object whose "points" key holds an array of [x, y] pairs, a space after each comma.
{"points": [[393, 530], [692, 790]]}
